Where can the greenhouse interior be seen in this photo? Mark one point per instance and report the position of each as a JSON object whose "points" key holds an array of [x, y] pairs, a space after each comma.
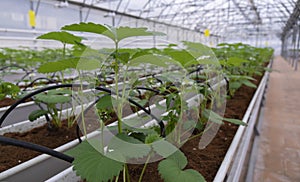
{"points": [[150, 90]]}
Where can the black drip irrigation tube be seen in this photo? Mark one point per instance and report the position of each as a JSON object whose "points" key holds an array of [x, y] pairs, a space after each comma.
{"points": [[14, 65], [34, 81], [35, 147]]}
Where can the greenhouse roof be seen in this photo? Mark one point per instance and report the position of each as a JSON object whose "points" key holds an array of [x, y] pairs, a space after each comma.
{"points": [[220, 17]]}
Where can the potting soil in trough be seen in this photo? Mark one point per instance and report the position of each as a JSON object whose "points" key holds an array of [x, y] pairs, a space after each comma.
{"points": [[6, 102], [12, 156], [207, 161]]}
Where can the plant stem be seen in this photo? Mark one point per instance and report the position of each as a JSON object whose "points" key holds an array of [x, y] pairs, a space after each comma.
{"points": [[127, 173], [119, 106], [144, 168]]}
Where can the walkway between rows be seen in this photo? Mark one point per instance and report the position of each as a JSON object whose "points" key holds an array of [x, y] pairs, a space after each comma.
{"points": [[278, 155]]}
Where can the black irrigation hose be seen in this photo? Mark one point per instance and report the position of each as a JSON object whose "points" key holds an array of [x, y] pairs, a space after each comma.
{"points": [[35, 147], [41, 78], [198, 69], [23, 77], [13, 106], [149, 89], [161, 124], [13, 65]]}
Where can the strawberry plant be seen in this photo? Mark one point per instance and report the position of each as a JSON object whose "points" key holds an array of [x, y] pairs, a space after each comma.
{"points": [[54, 100], [8, 89]]}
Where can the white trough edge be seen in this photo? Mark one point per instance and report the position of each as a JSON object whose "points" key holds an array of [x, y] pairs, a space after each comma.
{"points": [[221, 174]]}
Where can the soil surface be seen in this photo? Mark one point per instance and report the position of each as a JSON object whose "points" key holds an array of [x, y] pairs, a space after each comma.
{"points": [[12, 156], [206, 161], [6, 102]]}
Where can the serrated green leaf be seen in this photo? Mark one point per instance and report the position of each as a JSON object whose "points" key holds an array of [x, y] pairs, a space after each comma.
{"points": [[51, 67], [2, 56], [171, 172], [59, 92], [164, 148], [52, 99], [88, 64], [158, 60], [248, 83], [235, 61], [91, 28], [128, 146], [141, 102], [36, 114], [93, 166], [126, 32], [212, 116], [152, 138], [182, 56], [235, 85], [105, 102], [116, 34], [63, 37]]}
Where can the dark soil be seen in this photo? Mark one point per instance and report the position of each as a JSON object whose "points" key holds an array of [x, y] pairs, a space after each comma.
{"points": [[206, 161], [12, 156], [6, 102]]}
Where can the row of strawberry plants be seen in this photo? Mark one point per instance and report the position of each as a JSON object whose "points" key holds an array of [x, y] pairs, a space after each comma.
{"points": [[106, 161], [174, 86]]}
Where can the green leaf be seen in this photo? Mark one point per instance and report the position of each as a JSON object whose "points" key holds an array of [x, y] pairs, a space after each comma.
{"points": [[128, 146], [170, 172], [198, 51], [51, 67], [235, 61], [214, 117], [164, 148], [52, 99], [142, 102], [248, 83], [88, 64], [126, 32], [152, 138], [91, 28], [64, 37], [115, 34], [59, 92], [36, 114], [158, 60], [182, 56], [235, 121], [93, 166], [171, 169], [8, 89], [105, 102], [2, 56]]}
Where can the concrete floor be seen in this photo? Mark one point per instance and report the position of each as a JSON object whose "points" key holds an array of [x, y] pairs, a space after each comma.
{"points": [[278, 154]]}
